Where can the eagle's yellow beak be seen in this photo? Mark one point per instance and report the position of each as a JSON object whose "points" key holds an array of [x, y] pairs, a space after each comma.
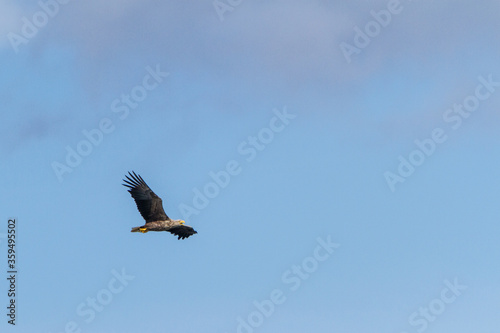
{"points": [[182, 222]]}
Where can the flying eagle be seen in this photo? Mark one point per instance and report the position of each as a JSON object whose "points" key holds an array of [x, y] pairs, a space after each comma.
{"points": [[151, 208]]}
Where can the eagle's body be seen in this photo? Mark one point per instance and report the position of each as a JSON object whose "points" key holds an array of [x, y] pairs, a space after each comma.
{"points": [[157, 226], [151, 208]]}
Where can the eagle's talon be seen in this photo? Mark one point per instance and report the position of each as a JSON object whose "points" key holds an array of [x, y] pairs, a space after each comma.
{"points": [[143, 230]]}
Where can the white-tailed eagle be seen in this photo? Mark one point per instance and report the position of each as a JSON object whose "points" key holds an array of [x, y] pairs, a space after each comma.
{"points": [[151, 208]]}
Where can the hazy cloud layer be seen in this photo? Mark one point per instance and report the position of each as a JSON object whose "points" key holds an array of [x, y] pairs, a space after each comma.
{"points": [[291, 39], [283, 50]]}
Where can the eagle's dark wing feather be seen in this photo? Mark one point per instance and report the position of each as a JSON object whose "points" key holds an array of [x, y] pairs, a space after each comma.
{"points": [[182, 231], [148, 203]]}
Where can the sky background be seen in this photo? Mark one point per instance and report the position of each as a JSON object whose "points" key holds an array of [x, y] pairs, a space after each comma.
{"points": [[321, 176]]}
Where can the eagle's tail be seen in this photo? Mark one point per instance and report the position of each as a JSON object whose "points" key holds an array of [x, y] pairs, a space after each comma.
{"points": [[142, 229]]}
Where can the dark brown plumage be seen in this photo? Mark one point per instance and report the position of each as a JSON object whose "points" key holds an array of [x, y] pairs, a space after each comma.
{"points": [[151, 208]]}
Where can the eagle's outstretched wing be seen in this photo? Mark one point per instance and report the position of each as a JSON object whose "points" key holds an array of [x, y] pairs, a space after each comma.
{"points": [[148, 203], [182, 231]]}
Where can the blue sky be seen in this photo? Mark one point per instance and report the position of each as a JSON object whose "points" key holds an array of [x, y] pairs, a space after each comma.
{"points": [[307, 234]]}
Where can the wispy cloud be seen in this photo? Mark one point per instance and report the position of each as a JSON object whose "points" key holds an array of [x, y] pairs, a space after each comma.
{"points": [[288, 47], [288, 39]]}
